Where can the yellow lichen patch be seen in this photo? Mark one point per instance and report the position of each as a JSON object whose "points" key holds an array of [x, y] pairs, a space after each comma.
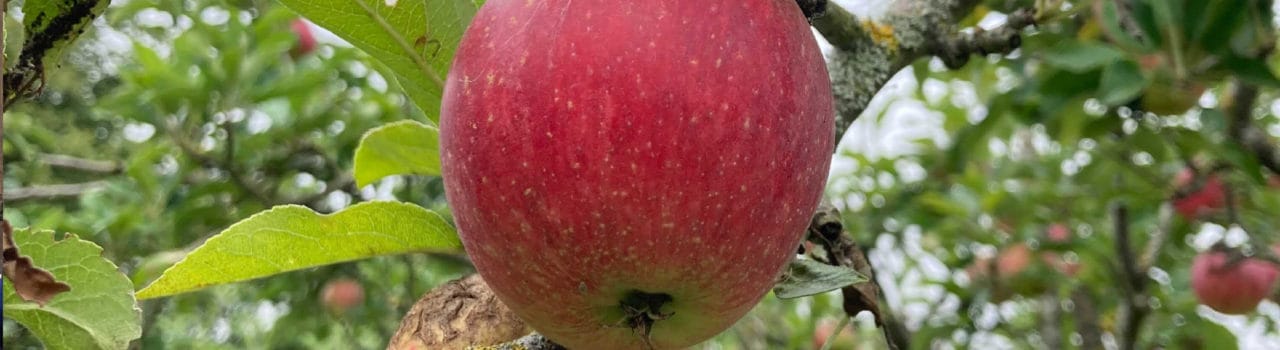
{"points": [[882, 34]]}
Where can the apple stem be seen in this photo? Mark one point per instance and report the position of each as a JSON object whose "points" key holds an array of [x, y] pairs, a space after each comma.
{"points": [[812, 8]]}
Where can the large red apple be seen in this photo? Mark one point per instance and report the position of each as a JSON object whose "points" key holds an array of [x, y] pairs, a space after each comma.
{"points": [[632, 174], [1231, 288], [1194, 202]]}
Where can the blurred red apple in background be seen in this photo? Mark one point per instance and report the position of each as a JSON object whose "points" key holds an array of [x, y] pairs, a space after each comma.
{"points": [[1058, 233], [1231, 289], [341, 295], [827, 327], [306, 40], [1194, 202]]}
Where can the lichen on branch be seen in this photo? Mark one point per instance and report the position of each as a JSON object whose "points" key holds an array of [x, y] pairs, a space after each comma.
{"points": [[870, 51]]}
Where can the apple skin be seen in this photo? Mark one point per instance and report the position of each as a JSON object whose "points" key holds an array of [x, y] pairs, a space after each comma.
{"points": [[1235, 289], [592, 149], [306, 40], [341, 295], [1211, 196]]}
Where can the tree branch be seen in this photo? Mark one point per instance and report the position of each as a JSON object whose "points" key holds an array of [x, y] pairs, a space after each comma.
{"points": [[53, 192], [211, 162], [81, 164], [1135, 302], [1155, 244], [869, 51], [1243, 96]]}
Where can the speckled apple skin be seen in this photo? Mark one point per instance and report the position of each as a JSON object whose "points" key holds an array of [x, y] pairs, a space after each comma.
{"points": [[591, 148]]}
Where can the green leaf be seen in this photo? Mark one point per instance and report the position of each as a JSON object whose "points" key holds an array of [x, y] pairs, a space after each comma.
{"points": [[1214, 336], [415, 39], [1251, 70], [1080, 57], [1121, 83], [291, 237], [808, 277], [405, 147], [51, 25], [99, 312], [1111, 25]]}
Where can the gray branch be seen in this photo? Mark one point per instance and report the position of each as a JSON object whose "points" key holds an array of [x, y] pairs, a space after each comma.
{"points": [[870, 51], [52, 192]]}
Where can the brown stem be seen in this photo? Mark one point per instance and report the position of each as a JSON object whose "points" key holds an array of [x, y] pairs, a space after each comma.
{"points": [[1135, 302], [827, 230], [4, 7], [1240, 128]]}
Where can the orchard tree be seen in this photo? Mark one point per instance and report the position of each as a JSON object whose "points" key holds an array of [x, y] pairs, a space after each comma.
{"points": [[657, 174]]}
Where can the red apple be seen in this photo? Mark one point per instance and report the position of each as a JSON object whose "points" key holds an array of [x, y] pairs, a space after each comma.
{"points": [[635, 174], [341, 295], [826, 328], [1195, 202], [1231, 289], [306, 40], [1058, 233], [1010, 262]]}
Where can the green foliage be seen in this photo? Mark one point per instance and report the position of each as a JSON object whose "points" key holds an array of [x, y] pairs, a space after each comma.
{"points": [[289, 238], [415, 39], [98, 313], [400, 148]]}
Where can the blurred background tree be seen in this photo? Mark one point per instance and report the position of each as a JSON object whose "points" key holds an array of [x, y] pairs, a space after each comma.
{"points": [[988, 196], [171, 120]]}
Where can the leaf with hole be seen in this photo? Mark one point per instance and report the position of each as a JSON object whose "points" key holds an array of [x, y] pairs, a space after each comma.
{"points": [[99, 312]]}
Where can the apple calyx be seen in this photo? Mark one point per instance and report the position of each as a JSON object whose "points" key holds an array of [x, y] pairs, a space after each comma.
{"points": [[641, 310]]}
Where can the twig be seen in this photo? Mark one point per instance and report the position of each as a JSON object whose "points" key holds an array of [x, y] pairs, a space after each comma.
{"points": [[4, 7], [1135, 301], [1240, 117], [870, 51], [52, 192], [81, 164], [1158, 237], [1087, 323], [955, 51], [208, 161]]}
